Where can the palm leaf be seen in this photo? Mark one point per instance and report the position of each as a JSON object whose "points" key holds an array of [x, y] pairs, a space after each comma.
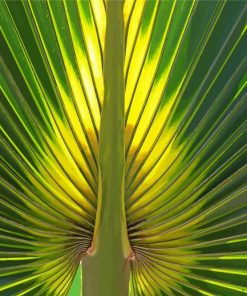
{"points": [[50, 112], [66, 94]]}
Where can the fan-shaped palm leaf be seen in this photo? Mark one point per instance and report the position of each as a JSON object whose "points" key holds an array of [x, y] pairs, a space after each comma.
{"points": [[123, 147]]}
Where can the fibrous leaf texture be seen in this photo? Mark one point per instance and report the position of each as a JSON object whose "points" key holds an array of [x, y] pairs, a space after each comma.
{"points": [[185, 138]]}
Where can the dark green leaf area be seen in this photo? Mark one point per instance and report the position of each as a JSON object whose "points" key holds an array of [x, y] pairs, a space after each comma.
{"points": [[215, 289], [219, 45]]}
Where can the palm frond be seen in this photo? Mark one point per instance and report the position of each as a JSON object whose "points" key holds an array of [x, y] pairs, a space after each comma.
{"points": [[52, 93], [185, 143], [186, 147]]}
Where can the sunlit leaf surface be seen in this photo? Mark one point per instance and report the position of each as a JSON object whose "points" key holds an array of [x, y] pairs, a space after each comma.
{"points": [[186, 135], [50, 114]]}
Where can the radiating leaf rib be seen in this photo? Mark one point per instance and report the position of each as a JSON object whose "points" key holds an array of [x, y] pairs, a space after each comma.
{"points": [[149, 68], [83, 67], [132, 27], [128, 9]]}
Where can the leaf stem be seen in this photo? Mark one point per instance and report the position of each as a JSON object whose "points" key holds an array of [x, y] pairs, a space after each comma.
{"points": [[106, 267]]}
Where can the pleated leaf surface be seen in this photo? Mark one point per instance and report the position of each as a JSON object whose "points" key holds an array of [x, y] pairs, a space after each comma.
{"points": [[185, 143]]}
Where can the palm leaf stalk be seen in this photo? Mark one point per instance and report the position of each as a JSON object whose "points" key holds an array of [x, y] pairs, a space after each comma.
{"points": [[123, 135], [107, 261]]}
